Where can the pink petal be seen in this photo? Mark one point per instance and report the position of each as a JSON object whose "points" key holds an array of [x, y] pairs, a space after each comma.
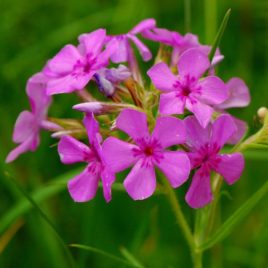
{"points": [[199, 193], [238, 94], [73, 151], [162, 77], [93, 42], [196, 135], [193, 63], [108, 179], [134, 123], [143, 25], [140, 182], [160, 35], [170, 103], [241, 127], [117, 154], [25, 126], [176, 167], [143, 50], [92, 127], [84, 186], [231, 167], [213, 90], [64, 61], [202, 112], [121, 54], [29, 144], [169, 131], [223, 128]]}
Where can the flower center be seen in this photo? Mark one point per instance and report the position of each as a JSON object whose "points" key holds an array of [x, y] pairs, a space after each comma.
{"points": [[148, 151], [185, 91]]}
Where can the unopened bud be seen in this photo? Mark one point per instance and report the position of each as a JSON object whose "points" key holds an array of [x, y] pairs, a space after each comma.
{"points": [[262, 112]]}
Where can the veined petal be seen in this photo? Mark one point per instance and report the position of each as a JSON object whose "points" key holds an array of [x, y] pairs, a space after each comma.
{"points": [[162, 77], [93, 42], [134, 123], [25, 126], [176, 167], [196, 135], [199, 193], [238, 94], [140, 182], [84, 186], [118, 154], [170, 103], [63, 62], [143, 50], [202, 112], [231, 167], [223, 128], [73, 151], [143, 25], [213, 90], [193, 63], [169, 131]]}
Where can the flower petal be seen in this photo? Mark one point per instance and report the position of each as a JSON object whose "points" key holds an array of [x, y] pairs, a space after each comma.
{"points": [[143, 50], [118, 154], [223, 128], [108, 179], [193, 63], [238, 94], [143, 25], [121, 54], [73, 151], [84, 186], [93, 42], [140, 182], [162, 77], [134, 123], [63, 62], [169, 131], [199, 193], [170, 103], [176, 167], [231, 167], [196, 135], [202, 112], [241, 127], [213, 90]]}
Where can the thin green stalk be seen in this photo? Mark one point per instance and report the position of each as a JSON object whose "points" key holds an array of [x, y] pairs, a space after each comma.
{"points": [[171, 196], [187, 15], [210, 10]]}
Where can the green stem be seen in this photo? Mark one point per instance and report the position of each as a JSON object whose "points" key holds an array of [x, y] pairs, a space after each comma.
{"points": [[187, 15], [210, 8], [197, 258]]}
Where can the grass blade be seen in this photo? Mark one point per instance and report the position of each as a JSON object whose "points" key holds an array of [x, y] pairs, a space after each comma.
{"points": [[130, 258]]}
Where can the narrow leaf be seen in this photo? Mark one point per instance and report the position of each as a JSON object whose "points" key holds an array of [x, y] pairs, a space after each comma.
{"points": [[103, 253], [228, 226], [130, 258]]}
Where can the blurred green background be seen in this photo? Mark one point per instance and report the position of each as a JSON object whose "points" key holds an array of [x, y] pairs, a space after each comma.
{"points": [[33, 31]]}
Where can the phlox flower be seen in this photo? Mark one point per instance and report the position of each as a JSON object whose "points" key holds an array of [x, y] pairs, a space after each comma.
{"points": [[188, 89], [204, 145], [29, 123], [84, 186], [147, 152], [238, 96], [73, 67], [122, 54]]}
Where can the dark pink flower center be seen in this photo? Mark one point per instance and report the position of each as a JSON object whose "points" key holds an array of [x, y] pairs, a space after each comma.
{"points": [[83, 67]]}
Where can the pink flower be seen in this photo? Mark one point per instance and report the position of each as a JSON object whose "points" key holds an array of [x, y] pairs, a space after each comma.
{"points": [[205, 145], [72, 68], [147, 152], [29, 123], [179, 43], [84, 186], [238, 96], [123, 42], [188, 89]]}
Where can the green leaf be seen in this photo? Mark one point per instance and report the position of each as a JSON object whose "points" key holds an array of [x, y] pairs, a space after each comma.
{"points": [[228, 226], [130, 258], [49, 222], [219, 34], [103, 253]]}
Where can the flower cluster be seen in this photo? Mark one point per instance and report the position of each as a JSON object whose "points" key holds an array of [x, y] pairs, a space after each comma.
{"points": [[175, 122]]}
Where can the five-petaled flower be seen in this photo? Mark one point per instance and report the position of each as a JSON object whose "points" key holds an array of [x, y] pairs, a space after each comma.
{"points": [[147, 152], [188, 90], [205, 145], [84, 186]]}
